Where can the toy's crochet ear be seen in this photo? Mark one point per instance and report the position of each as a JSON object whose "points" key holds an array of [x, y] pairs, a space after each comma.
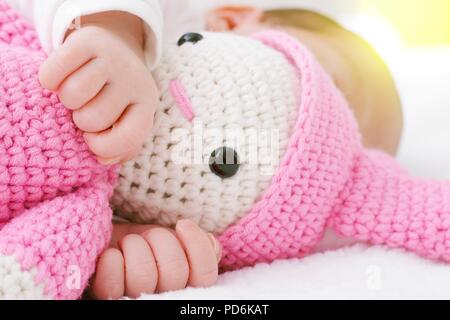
{"points": [[291, 216], [327, 179], [315, 84], [284, 44]]}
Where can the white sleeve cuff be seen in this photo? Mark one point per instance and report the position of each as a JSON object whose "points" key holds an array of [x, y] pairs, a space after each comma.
{"points": [[149, 11]]}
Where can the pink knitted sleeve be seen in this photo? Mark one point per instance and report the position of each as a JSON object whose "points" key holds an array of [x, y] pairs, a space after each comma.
{"points": [[383, 204]]}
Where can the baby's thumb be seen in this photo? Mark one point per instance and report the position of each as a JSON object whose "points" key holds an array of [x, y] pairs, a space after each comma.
{"points": [[216, 245]]}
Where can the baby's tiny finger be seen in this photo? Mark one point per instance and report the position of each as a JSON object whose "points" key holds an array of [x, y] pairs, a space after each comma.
{"points": [[120, 159], [64, 61], [128, 134], [216, 245], [84, 84], [141, 273], [173, 266], [201, 254], [100, 113], [110, 162], [109, 280]]}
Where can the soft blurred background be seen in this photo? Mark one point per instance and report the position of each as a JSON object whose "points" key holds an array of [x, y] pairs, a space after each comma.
{"points": [[419, 22], [413, 36]]}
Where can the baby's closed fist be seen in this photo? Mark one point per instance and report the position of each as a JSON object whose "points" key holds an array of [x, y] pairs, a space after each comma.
{"points": [[100, 74], [150, 259]]}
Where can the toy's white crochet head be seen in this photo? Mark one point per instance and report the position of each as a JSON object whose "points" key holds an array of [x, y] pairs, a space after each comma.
{"points": [[220, 93]]}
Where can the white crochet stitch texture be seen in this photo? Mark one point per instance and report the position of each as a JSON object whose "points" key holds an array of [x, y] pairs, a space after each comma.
{"points": [[17, 284], [244, 96]]}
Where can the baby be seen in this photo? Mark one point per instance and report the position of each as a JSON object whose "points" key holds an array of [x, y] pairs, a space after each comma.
{"points": [[100, 70]]}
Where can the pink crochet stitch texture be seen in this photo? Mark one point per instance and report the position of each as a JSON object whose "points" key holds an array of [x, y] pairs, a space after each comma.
{"points": [[54, 210], [54, 197], [327, 179]]}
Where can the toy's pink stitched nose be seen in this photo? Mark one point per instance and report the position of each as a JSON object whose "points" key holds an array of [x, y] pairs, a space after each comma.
{"points": [[181, 98]]}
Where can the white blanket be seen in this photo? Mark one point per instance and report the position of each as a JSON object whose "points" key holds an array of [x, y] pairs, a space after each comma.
{"points": [[351, 273], [358, 272]]}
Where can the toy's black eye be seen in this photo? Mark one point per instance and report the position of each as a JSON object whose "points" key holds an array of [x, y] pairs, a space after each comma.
{"points": [[190, 37], [224, 162]]}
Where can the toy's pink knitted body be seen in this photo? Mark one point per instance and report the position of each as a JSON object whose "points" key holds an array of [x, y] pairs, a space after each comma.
{"points": [[55, 217], [327, 179]]}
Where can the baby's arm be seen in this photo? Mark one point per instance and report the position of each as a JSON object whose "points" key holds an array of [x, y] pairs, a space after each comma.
{"points": [[149, 259]]}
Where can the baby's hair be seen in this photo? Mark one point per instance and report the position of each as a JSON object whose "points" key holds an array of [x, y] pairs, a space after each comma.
{"points": [[368, 68], [304, 19]]}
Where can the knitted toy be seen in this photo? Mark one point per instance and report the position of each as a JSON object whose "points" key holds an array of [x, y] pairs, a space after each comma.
{"points": [[223, 97], [226, 99], [55, 217]]}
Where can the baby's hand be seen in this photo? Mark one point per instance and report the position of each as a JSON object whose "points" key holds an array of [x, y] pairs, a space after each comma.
{"points": [[100, 74], [150, 259]]}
